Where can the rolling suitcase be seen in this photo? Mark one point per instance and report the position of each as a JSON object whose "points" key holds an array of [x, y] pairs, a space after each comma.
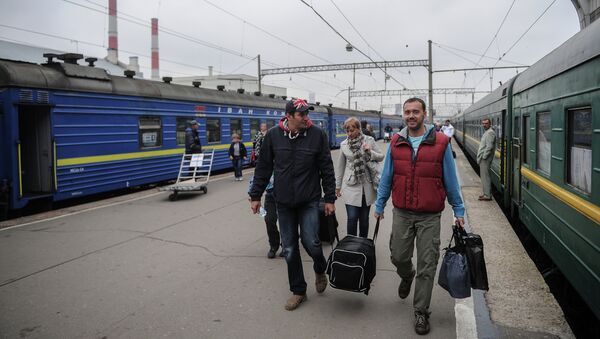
{"points": [[351, 265]]}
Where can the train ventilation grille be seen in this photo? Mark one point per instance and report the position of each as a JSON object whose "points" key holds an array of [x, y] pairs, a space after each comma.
{"points": [[25, 95], [42, 97]]}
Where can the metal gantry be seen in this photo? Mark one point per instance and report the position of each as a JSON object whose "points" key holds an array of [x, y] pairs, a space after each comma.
{"points": [[345, 67], [418, 91]]}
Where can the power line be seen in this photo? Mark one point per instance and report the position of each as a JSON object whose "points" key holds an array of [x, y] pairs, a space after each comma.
{"points": [[341, 36], [519, 39], [356, 30], [184, 36], [498, 31], [474, 53]]}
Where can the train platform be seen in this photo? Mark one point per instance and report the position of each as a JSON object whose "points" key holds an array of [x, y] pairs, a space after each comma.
{"points": [[141, 266]]}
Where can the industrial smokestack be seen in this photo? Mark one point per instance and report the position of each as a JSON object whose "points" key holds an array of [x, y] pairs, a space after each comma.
{"points": [[155, 75], [210, 71], [113, 45]]}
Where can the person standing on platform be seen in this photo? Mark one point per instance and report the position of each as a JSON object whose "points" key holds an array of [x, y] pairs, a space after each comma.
{"points": [[485, 156], [353, 180], [420, 169], [258, 139], [192, 138], [237, 155], [297, 154], [448, 130], [270, 205], [365, 130]]}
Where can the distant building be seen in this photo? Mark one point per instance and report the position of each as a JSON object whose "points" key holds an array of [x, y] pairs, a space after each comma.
{"points": [[232, 82], [20, 52]]}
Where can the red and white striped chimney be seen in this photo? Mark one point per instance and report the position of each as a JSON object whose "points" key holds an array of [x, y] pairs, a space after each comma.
{"points": [[113, 45], [155, 75]]}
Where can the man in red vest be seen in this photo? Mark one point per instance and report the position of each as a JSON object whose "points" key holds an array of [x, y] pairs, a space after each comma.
{"points": [[419, 173]]}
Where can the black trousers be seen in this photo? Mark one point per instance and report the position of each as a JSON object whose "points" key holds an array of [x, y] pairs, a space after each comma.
{"points": [[271, 221]]}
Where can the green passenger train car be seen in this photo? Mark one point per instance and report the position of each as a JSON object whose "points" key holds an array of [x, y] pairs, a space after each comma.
{"points": [[546, 169]]}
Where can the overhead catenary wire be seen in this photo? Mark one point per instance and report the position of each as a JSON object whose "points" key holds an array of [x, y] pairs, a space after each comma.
{"points": [[497, 31], [517, 41], [476, 54], [132, 19], [341, 36], [138, 21]]}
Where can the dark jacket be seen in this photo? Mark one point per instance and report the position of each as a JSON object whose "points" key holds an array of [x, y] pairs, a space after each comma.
{"points": [[300, 166], [242, 150], [192, 141], [365, 131], [418, 183]]}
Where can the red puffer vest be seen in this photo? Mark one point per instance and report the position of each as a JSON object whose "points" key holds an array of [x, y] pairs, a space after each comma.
{"points": [[418, 185]]}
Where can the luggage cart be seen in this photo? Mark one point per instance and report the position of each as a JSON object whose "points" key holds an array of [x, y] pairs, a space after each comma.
{"points": [[194, 173]]}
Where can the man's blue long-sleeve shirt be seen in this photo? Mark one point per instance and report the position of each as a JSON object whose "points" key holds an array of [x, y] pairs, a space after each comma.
{"points": [[449, 175]]}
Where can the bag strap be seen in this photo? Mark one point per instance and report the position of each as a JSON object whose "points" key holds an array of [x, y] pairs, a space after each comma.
{"points": [[376, 231], [332, 229]]}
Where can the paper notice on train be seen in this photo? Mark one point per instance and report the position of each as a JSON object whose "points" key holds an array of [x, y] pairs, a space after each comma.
{"points": [[196, 160]]}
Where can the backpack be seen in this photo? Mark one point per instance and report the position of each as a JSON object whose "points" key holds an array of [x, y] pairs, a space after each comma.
{"points": [[351, 265]]}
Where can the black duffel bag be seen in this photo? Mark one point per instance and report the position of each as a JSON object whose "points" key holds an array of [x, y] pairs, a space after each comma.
{"points": [[474, 251], [454, 274], [351, 265]]}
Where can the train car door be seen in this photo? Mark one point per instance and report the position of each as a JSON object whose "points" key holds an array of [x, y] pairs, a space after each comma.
{"points": [[519, 149], [36, 150]]}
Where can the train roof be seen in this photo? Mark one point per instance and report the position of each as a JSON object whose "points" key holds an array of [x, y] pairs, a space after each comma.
{"points": [[74, 77], [351, 112], [583, 46], [496, 95]]}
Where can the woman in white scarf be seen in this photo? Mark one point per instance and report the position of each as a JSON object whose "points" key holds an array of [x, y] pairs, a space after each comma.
{"points": [[357, 176]]}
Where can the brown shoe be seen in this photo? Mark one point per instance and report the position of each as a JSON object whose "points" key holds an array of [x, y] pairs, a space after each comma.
{"points": [[295, 301], [484, 198], [320, 282]]}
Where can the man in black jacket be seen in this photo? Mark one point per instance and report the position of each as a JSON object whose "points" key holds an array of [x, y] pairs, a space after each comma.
{"points": [[298, 155], [192, 138]]}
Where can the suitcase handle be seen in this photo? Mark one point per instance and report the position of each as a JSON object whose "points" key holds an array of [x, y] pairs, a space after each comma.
{"points": [[376, 231]]}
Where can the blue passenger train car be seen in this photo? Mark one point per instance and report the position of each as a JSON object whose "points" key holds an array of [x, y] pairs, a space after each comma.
{"points": [[69, 130]]}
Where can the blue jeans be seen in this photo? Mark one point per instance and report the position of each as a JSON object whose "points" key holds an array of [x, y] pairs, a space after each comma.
{"points": [[356, 215], [237, 166], [307, 216]]}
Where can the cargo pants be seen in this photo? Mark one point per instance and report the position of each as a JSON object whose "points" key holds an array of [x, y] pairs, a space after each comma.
{"points": [[425, 227], [484, 173]]}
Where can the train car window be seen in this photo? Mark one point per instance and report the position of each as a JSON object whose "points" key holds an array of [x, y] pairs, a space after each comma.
{"points": [[150, 132], [235, 127], [543, 142], [526, 139], [270, 123], [499, 135], [254, 127], [181, 125], [213, 130], [579, 151], [517, 128], [339, 127]]}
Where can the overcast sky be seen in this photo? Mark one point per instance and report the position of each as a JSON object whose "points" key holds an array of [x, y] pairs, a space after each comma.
{"points": [[396, 30]]}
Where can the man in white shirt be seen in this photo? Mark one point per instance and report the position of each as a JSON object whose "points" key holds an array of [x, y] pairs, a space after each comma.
{"points": [[448, 130]]}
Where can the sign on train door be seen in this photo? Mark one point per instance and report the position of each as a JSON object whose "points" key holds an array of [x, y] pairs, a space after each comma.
{"points": [[36, 151]]}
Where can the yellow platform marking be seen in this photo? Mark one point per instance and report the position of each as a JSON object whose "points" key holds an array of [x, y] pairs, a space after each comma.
{"points": [[584, 207]]}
